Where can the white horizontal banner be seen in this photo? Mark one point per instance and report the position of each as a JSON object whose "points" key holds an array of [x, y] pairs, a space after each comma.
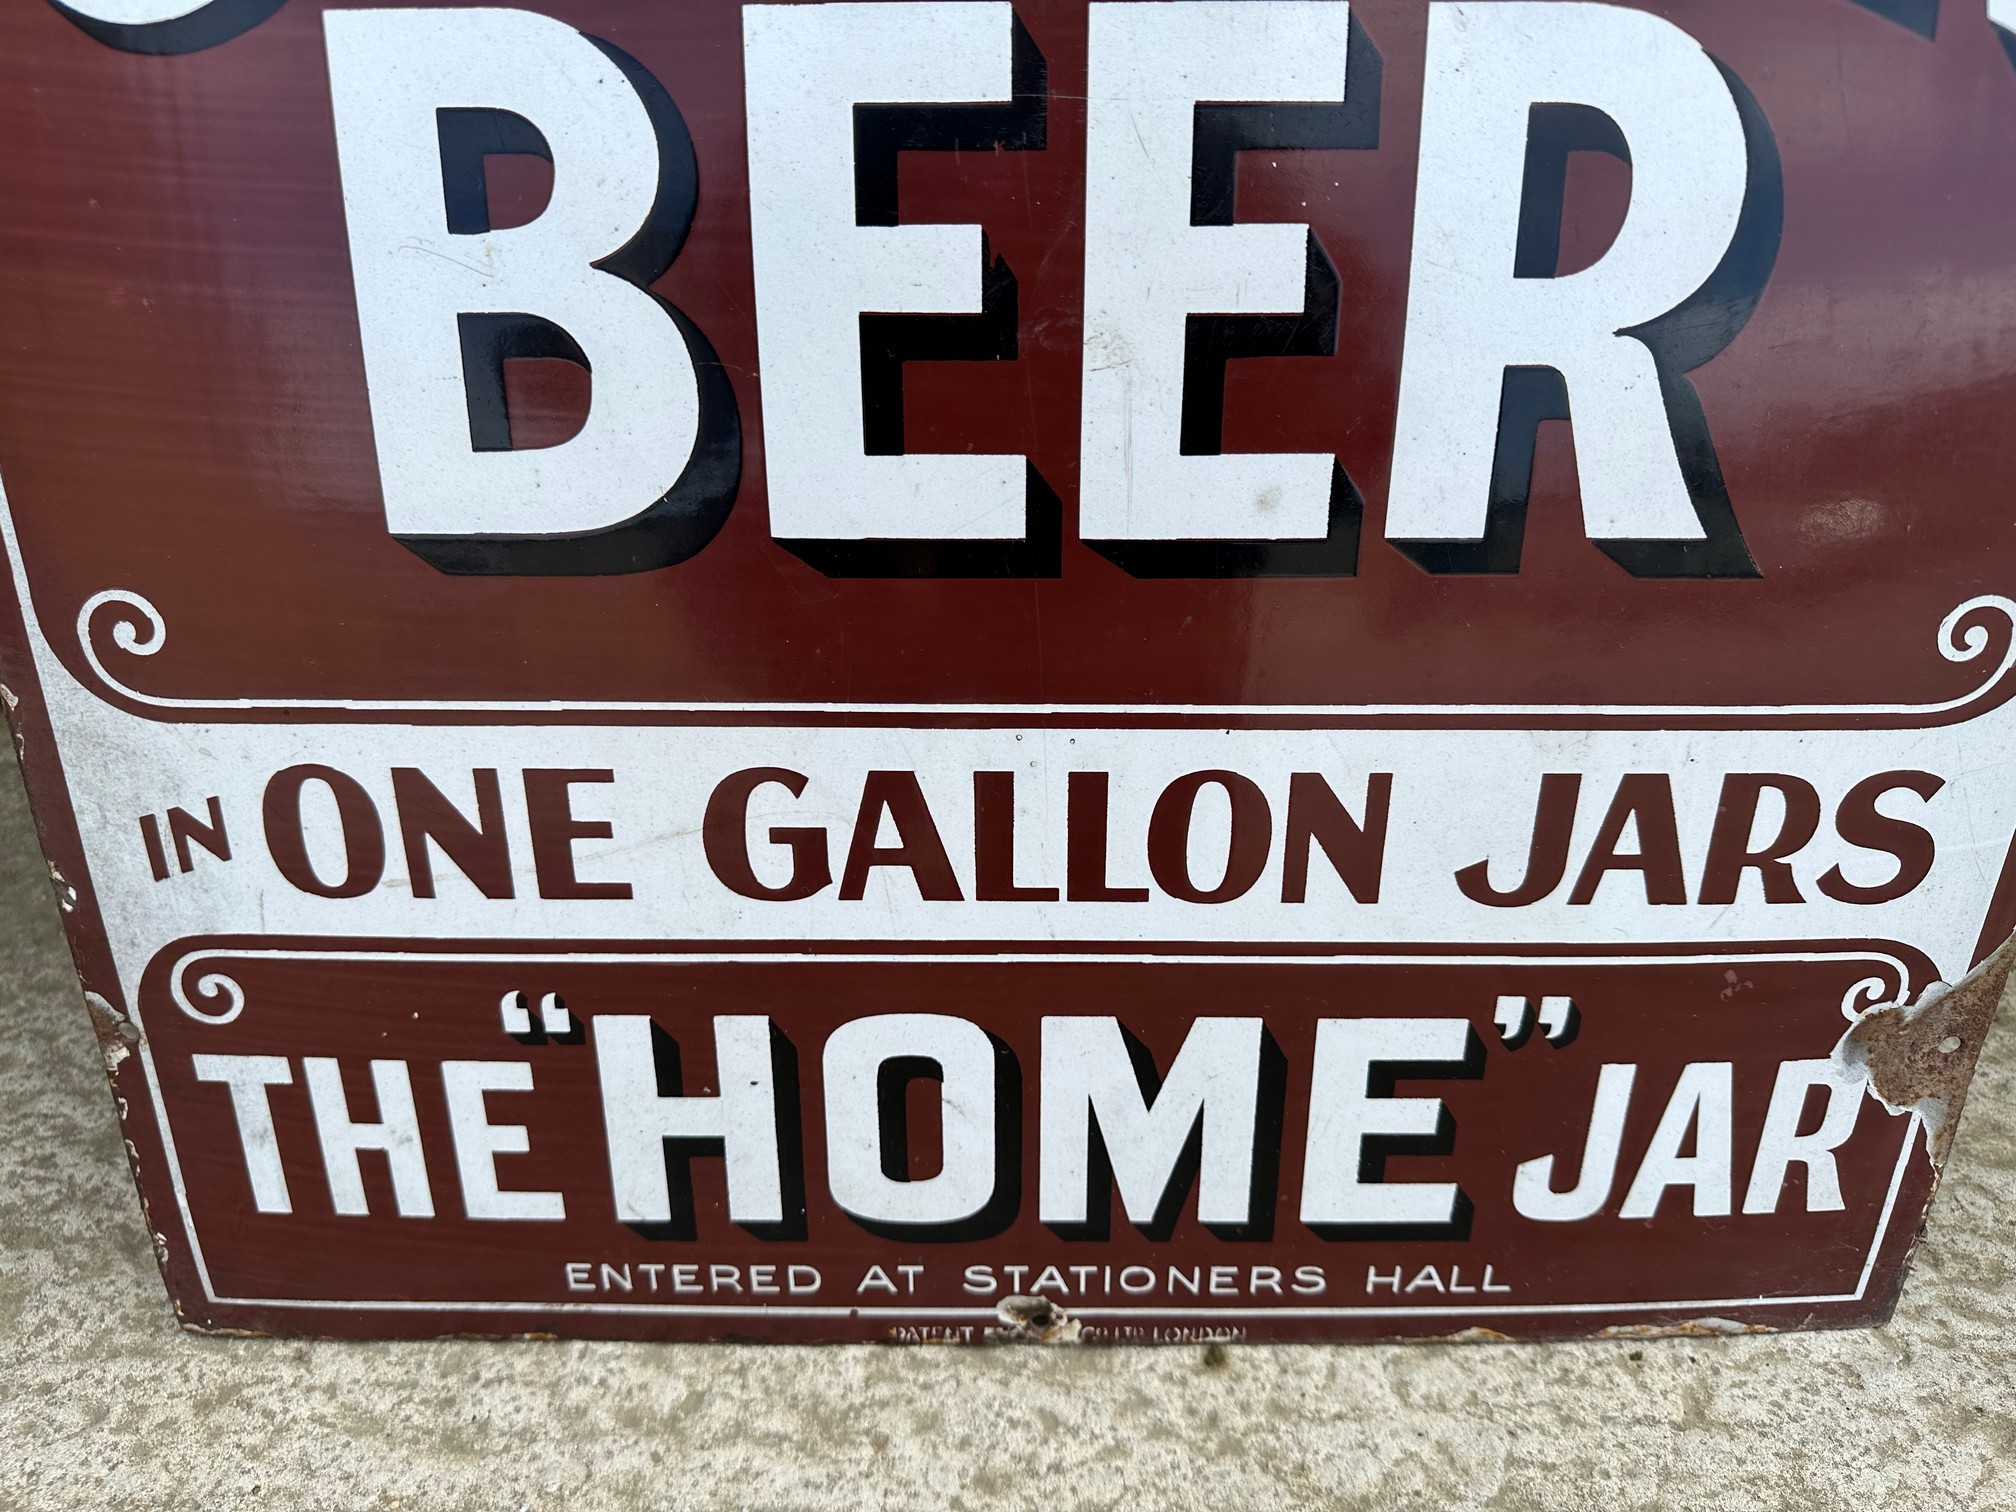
{"points": [[347, 823], [1605, 837]]}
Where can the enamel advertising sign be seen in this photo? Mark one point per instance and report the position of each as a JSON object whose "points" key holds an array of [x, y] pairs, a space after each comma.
{"points": [[1149, 670]]}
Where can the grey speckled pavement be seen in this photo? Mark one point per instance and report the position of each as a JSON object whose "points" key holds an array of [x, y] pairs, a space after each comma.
{"points": [[104, 1403]]}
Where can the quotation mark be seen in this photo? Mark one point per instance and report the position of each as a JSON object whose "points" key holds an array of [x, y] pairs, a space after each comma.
{"points": [[555, 1025], [1559, 1020]]}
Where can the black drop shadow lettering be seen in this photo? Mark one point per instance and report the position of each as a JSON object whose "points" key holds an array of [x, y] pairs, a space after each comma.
{"points": [[1571, 1028], [1687, 337], [1221, 133], [467, 136], [1920, 16], [1529, 1021], [488, 342], [577, 1028], [1269, 1121], [1376, 1149], [881, 133], [690, 513], [892, 1085], [1681, 340], [216, 23], [683, 1225]]}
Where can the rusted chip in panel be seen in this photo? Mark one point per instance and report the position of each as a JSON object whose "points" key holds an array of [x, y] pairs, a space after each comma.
{"points": [[1919, 1057], [118, 1036], [1033, 1320]]}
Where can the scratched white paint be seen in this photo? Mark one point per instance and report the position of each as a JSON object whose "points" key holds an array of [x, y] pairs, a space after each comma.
{"points": [[1469, 318], [1148, 269], [817, 270], [389, 72]]}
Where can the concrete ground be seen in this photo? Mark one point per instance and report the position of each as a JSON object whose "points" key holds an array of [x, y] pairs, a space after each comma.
{"points": [[105, 1404]]}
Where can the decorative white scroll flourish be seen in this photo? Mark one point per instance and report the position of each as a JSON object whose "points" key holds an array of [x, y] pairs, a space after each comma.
{"points": [[211, 987], [1964, 636], [1890, 983], [1876, 991]]}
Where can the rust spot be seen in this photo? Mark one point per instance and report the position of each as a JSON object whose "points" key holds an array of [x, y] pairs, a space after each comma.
{"points": [[1476, 1336], [1918, 1058], [216, 1331], [118, 1036], [1033, 1320], [1692, 1328]]}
